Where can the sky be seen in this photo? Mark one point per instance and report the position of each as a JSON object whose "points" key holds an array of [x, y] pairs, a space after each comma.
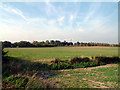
{"points": [[70, 21]]}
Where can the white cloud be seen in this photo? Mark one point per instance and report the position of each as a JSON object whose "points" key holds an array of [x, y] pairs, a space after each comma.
{"points": [[60, 20], [81, 30], [92, 9], [50, 8], [18, 12], [71, 17], [13, 10]]}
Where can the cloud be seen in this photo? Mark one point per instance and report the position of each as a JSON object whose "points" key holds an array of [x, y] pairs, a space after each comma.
{"points": [[60, 20], [81, 30], [71, 17], [14, 10], [92, 9], [18, 12], [62, 23], [50, 9]]}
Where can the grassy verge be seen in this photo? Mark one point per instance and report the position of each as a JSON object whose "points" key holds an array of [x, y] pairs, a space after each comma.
{"points": [[19, 73], [106, 77]]}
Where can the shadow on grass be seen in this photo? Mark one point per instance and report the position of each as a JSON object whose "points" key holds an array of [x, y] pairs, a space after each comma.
{"points": [[15, 66]]}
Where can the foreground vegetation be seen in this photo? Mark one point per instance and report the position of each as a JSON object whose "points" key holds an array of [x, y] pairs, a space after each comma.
{"points": [[102, 77], [26, 74], [19, 73]]}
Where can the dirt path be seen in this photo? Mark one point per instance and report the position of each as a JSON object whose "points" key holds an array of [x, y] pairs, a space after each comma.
{"points": [[42, 60], [89, 68]]}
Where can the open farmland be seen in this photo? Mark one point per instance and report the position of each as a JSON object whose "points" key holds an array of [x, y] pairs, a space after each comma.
{"points": [[60, 52], [40, 75]]}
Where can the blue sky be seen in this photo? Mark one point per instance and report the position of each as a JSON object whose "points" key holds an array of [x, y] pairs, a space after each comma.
{"points": [[70, 21]]}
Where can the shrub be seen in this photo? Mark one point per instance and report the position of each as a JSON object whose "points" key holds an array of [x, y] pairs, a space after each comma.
{"points": [[86, 64], [75, 60], [79, 60], [59, 64], [86, 59], [79, 65], [107, 60]]}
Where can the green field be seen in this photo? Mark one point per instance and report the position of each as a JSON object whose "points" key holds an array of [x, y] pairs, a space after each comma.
{"points": [[60, 52], [20, 65], [88, 78]]}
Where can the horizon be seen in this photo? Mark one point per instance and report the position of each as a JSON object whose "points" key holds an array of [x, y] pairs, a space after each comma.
{"points": [[60, 41], [69, 21]]}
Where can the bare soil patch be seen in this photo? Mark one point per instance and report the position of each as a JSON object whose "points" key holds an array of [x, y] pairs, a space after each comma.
{"points": [[89, 68], [42, 60]]}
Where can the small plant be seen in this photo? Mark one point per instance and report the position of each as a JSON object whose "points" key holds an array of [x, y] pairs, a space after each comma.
{"points": [[15, 81], [59, 64]]}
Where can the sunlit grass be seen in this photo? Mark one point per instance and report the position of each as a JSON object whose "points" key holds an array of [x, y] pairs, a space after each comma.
{"points": [[60, 52]]}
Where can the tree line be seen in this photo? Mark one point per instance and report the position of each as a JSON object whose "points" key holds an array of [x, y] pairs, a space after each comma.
{"points": [[53, 43]]}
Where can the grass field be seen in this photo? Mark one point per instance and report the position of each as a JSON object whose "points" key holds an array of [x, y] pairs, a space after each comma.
{"points": [[100, 77], [105, 76], [60, 52]]}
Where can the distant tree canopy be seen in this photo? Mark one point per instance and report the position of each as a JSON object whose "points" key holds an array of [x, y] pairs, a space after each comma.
{"points": [[53, 43]]}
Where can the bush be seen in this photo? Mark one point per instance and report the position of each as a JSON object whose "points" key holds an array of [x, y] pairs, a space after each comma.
{"points": [[85, 64], [82, 62], [79, 60], [86, 59], [79, 65], [59, 64], [75, 60], [107, 60]]}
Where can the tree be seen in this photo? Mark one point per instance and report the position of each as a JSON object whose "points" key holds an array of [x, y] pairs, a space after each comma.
{"points": [[7, 44], [77, 43], [47, 42], [58, 43], [3, 52], [52, 42]]}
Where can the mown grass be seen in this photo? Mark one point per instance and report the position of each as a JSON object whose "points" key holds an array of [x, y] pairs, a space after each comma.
{"points": [[60, 52], [100, 77]]}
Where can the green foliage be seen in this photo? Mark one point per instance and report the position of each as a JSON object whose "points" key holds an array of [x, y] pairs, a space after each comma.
{"points": [[3, 52], [85, 64], [52, 43], [59, 64], [77, 62], [15, 81], [19, 81]]}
